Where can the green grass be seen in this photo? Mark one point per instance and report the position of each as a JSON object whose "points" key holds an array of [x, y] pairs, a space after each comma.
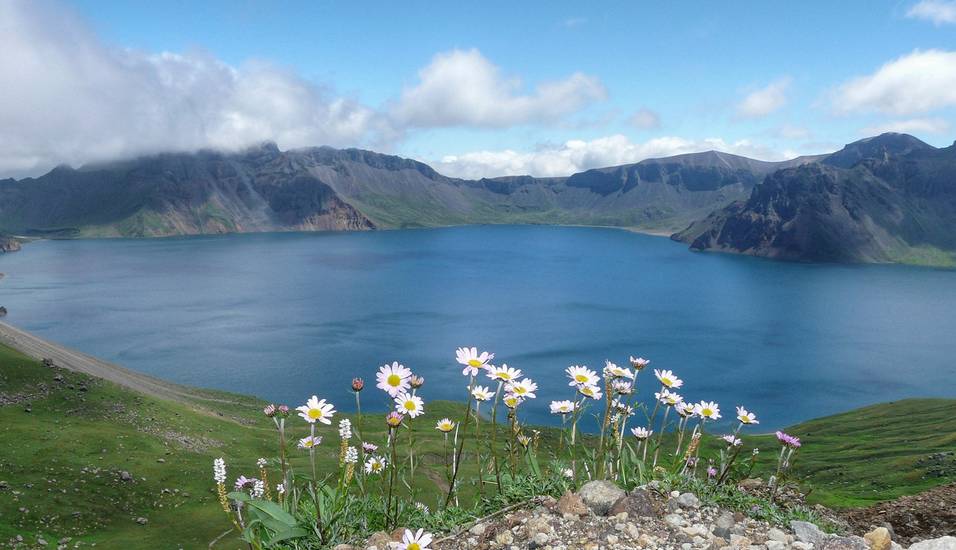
{"points": [[67, 452]]}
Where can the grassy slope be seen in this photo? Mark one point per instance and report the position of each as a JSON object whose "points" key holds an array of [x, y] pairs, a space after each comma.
{"points": [[69, 449]]}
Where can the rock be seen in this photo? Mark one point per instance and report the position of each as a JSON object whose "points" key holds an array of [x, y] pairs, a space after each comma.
{"points": [[344, 547], [842, 543], [571, 504], [738, 541], [776, 545], [541, 539], [142, 521], [639, 503], [538, 525], [723, 525], [612, 539], [878, 539], [478, 529], [674, 520], [750, 484], [600, 496], [688, 500], [42, 542], [777, 535], [942, 543], [379, 539], [807, 532], [505, 538], [125, 476]]}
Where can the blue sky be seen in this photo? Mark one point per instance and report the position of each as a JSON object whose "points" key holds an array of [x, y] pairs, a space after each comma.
{"points": [[562, 86]]}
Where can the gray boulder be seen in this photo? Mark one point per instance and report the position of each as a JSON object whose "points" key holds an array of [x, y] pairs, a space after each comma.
{"points": [[942, 543], [600, 496]]}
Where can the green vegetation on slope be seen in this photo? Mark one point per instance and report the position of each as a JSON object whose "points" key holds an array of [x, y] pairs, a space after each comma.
{"points": [[73, 437]]}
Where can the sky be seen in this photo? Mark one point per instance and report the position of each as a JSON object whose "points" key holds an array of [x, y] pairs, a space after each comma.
{"points": [[474, 89]]}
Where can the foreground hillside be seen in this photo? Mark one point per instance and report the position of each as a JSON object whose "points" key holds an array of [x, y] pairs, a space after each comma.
{"points": [[265, 189], [99, 462], [890, 198]]}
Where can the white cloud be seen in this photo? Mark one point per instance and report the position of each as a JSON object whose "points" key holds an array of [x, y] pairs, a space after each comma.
{"points": [[645, 119], [577, 155], [573, 22], [67, 97], [766, 100], [915, 83], [790, 132], [463, 88], [911, 126], [939, 12]]}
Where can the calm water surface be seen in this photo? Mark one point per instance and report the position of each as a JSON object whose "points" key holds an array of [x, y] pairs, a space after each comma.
{"points": [[283, 316]]}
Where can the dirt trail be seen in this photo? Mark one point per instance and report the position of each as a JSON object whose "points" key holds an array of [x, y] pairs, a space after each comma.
{"points": [[67, 358]]}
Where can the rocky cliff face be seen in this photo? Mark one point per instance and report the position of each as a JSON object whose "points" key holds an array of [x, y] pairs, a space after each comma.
{"points": [[8, 244], [891, 198]]}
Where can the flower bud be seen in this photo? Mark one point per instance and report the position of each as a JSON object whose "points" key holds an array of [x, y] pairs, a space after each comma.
{"points": [[357, 384], [416, 381]]}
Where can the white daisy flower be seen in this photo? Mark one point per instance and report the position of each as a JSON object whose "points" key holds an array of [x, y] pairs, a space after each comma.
{"points": [[614, 371], [731, 440], [593, 392], [668, 398], [582, 376], [668, 379], [512, 401], [310, 441], [504, 373], [482, 393], [421, 506], [316, 410], [415, 541], [746, 417], [685, 409], [638, 363], [707, 409], [562, 407], [622, 387], [393, 379], [641, 433], [445, 425], [409, 404], [524, 389], [472, 360], [375, 465]]}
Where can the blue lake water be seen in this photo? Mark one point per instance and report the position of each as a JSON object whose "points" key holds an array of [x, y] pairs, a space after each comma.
{"points": [[284, 316]]}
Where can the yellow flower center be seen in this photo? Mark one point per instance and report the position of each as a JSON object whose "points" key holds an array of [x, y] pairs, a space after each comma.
{"points": [[413, 546], [393, 380], [666, 381], [706, 412], [315, 414], [520, 390], [580, 378], [410, 405], [474, 363]]}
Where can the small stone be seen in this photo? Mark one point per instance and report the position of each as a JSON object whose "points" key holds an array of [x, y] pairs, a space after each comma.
{"points": [[633, 531], [777, 535], [612, 539], [674, 520], [379, 539], [505, 538], [42, 542], [478, 529], [738, 541], [723, 525], [688, 500], [942, 543], [776, 545], [807, 532], [142, 521], [541, 539], [842, 543], [878, 539], [639, 504], [600, 496], [125, 476], [344, 547], [750, 484], [571, 504]]}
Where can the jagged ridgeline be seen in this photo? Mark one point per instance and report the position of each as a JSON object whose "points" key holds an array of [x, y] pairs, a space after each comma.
{"points": [[265, 189], [890, 198]]}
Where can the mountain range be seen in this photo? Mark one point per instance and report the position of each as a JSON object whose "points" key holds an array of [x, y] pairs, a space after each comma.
{"points": [[887, 198]]}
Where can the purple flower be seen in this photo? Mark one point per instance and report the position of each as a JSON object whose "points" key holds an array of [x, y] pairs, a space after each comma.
{"points": [[270, 410], [711, 472], [243, 482], [692, 461], [788, 440], [369, 447], [283, 410]]}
